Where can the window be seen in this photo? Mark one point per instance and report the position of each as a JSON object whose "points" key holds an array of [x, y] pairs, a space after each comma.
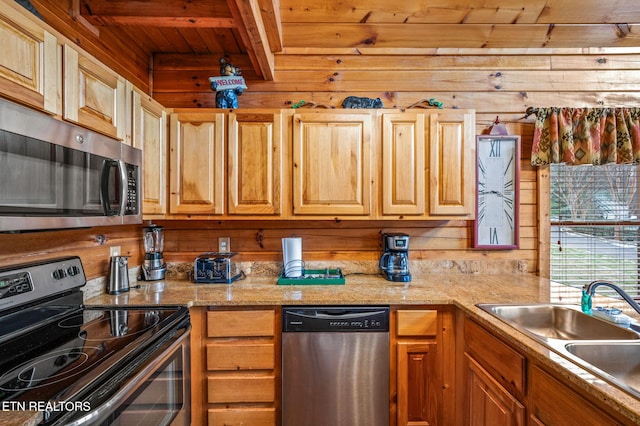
{"points": [[595, 224]]}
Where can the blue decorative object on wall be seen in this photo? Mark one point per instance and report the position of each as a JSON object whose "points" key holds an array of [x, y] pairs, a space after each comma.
{"points": [[229, 86]]}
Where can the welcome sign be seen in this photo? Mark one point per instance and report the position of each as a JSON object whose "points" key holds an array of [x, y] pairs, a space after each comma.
{"points": [[227, 82]]}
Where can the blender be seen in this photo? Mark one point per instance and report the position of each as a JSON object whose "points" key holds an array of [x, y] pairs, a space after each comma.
{"points": [[394, 262], [154, 267]]}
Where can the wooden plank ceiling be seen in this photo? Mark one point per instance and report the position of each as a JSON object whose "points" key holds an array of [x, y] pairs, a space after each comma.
{"points": [[254, 32]]}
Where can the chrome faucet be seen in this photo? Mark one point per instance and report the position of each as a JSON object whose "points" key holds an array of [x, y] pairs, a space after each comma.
{"points": [[589, 290]]}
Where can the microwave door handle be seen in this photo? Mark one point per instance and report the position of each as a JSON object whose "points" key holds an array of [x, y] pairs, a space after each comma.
{"points": [[121, 168], [104, 187]]}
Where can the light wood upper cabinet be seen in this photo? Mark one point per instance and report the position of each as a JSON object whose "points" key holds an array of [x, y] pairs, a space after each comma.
{"points": [[332, 156], [28, 64], [403, 163], [149, 128], [255, 162], [94, 96], [196, 171], [314, 164], [428, 164], [452, 163]]}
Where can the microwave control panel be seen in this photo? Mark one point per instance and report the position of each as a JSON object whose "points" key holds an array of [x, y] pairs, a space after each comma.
{"points": [[133, 183], [14, 284]]}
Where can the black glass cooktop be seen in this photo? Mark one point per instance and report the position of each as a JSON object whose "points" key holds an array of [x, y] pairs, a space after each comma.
{"points": [[61, 351]]}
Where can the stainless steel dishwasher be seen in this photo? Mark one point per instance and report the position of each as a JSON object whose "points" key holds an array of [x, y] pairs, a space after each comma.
{"points": [[335, 365]]}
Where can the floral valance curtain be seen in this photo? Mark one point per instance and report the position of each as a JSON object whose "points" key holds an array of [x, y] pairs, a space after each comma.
{"points": [[586, 136]]}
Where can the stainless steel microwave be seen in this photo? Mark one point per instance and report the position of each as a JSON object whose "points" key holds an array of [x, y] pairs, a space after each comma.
{"points": [[54, 174]]}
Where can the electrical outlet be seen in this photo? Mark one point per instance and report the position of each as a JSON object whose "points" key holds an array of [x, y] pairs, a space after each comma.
{"points": [[224, 244], [114, 251]]}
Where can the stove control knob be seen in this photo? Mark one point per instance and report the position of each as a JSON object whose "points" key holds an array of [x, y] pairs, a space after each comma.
{"points": [[60, 361], [59, 274], [73, 270]]}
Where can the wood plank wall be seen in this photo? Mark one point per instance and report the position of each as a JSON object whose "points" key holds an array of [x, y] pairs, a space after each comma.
{"points": [[91, 244], [495, 82]]}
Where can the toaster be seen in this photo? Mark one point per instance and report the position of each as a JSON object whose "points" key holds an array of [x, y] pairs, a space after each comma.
{"points": [[214, 267]]}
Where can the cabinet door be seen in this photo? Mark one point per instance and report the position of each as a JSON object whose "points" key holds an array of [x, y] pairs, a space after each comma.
{"points": [[451, 163], [419, 391], [28, 64], [332, 163], [94, 96], [150, 135], [196, 164], [553, 403], [255, 163], [488, 403], [403, 158]]}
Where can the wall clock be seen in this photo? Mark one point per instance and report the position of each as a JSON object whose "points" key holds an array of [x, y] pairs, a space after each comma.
{"points": [[497, 192]]}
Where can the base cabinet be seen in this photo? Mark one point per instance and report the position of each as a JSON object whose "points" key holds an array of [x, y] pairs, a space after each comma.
{"points": [[420, 368], [488, 402], [553, 403], [494, 380], [234, 373], [504, 388]]}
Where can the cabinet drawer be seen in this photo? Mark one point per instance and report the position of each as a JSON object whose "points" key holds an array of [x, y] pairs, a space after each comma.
{"points": [[240, 356], [552, 403], [417, 323], [506, 365], [229, 389], [241, 323], [244, 416]]}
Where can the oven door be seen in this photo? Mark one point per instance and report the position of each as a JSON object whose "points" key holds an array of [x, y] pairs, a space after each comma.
{"points": [[158, 393]]}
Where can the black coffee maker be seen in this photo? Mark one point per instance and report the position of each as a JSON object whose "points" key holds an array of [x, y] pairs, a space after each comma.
{"points": [[395, 259]]}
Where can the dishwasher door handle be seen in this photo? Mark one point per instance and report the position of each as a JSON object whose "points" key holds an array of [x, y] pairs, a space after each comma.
{"points": [[331, 315], [347, 314]]}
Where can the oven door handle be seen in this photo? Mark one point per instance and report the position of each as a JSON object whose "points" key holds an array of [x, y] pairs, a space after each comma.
{"points": [[102, 412]]}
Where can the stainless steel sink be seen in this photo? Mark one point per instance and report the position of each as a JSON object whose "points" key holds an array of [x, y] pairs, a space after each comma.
{"points": [[564, 322], [619, 361], [607, 350]]}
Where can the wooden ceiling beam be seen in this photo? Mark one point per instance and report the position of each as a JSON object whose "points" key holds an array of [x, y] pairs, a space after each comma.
{"points": [[270, 10], [161, 21], [158, 13], [254, 36]]}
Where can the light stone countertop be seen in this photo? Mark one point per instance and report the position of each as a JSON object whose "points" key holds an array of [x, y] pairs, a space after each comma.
{"points": [[463, 290]]}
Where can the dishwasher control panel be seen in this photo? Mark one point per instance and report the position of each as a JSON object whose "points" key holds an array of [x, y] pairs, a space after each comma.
{"points": [[335, 318]]}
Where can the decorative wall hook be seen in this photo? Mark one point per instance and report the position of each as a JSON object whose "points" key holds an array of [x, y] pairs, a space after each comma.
{"points": [[497, 128]]}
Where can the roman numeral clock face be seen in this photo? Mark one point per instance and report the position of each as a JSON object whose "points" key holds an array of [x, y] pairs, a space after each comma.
{"points": [[497, 193]]}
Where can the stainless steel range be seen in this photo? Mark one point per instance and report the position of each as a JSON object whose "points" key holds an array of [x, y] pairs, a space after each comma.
{"points": [[84, 365]]}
